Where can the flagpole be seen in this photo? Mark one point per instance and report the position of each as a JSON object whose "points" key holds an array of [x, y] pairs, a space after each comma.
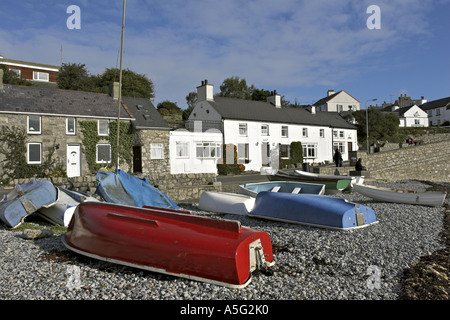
{"points": [[120, 83]]}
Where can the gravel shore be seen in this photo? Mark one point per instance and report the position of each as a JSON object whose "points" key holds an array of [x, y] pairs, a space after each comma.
{"points": [[311, 263]]}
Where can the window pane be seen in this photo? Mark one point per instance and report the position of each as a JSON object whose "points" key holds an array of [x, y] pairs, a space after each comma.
{"points": [[34, 153], [156, 151], [34, 124], [103, 127], [182, 149], [70, 126], [103, 153]]}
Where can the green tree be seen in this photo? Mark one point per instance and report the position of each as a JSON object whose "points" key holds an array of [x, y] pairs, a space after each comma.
{"points": [[235, 87], [73, 76], [167, 107], [382, 127], [133, 84]]}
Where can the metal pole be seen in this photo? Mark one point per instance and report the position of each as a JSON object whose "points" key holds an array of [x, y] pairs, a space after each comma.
{"points": [[120, 84], [367, 124]]}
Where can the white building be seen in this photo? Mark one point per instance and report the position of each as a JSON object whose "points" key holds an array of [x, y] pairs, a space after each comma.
{"points": [[337, 102], [264, 130], [438, 111], [412, 117], [195, 152]]}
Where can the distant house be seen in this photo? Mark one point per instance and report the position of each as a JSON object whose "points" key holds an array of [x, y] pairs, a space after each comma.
{"points": [[340, 102], [438, 111], [54, 120], [263, 131], [412, 116], [37, 72]]}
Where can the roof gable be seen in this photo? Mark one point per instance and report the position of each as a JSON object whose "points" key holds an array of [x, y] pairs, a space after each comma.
{"points": [[331, 97]]}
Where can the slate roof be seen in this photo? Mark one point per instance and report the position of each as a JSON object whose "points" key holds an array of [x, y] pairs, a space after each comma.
{"points": [[38, 100], [146, 115], [239, 109], [435, 104]]}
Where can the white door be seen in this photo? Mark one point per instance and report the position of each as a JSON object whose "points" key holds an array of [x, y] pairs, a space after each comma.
{"points": [[73, 161]]}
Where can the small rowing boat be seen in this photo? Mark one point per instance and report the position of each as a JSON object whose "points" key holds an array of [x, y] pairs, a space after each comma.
{"points": [[26, 199], [252, 189], [331, 183], [313, 210], [226, 202], [427, 198], [169, 241], [60, 213]]}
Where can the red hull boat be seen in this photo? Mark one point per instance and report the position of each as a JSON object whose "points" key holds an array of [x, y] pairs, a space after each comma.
{"points": [[169, 241]]}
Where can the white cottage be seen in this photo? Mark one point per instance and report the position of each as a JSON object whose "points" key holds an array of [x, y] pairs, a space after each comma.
{"points": [[412, 117], [263, 131], [338, 102]]}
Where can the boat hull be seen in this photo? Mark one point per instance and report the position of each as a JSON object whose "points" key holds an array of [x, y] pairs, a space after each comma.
{"points": [[428, 198], [175, 243], [314, 210], [252, 189], [26, 199], [226, 202], [330, 183], [61, 212]]}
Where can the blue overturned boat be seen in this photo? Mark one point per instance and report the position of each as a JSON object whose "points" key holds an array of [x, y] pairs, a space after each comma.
{"points": [[121, 188], [25, 200], [252, 189], [313, 210]]}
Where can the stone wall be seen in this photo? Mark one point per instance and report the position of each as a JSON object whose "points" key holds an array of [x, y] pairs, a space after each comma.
{"points": [[144, 139], [428, 161]]}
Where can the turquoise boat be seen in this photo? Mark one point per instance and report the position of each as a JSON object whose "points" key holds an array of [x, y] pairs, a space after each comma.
{"points": [[336, 183], [312, 210]]}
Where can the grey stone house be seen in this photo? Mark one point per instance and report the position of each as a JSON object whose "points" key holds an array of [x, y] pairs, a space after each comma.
{"points": [[56, 120]]}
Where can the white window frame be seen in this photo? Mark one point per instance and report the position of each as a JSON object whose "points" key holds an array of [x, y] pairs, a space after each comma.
{"points": [[205, 150], [340, 146], [41, 76], [284, 131], [305, 132], [28, 153], [322, 133], [99, 127], [310, 151], [96, 153], [243, 152], [68, 120], [265, 130], [288, 151], [18, 72], [34, 131], [243, 129], [156, 151], [182, 149]]}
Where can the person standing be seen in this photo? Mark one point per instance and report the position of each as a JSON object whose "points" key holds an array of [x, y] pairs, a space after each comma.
{"points": [[337, 158]]}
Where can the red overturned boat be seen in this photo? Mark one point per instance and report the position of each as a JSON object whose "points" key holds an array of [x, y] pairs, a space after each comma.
{"points": [[169, 241]]}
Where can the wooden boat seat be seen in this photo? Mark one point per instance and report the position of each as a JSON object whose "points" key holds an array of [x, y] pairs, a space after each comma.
{"points": [[296, 190], [275, 189]]}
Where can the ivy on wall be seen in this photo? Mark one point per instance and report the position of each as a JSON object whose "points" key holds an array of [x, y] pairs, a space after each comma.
{"points": [[90, 139], [13, 147]]}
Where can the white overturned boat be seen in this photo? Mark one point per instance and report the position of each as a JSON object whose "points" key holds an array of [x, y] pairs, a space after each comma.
{"points": [[252, 189], [226, 202], [61, 212], [427, 198]]}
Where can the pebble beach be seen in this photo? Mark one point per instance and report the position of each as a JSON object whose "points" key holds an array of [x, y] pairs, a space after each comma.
{"points": [[311, 263]]}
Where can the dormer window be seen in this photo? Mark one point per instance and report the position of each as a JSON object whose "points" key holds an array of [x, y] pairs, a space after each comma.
{"points": [[34, 125]]}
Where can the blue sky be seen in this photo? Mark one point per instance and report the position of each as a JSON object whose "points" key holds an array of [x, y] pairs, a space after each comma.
{"points": [[299, 48]]}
